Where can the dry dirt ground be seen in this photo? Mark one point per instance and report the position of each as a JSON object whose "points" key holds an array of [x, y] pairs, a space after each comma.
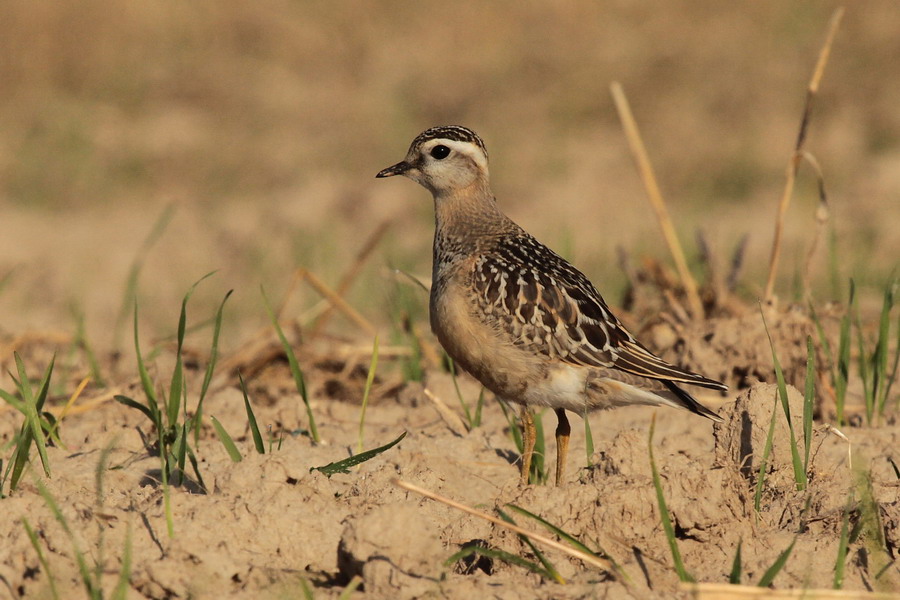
{"points": [[261, 125], [265, 523]]}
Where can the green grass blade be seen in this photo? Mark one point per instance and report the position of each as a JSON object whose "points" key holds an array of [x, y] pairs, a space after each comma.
{"points": [[179, 455], [478, 406], [351, 586], [20, 456], [226, 440], [81, 341], [893, 376], [135, 404], [251, 418], [770, 574], [120, 592], [459, 396], [343, 466], [33, 407], [734, 578], [14, 402], [572, 540], [295, 367], [548, 566], [515, 430], [767, 449], [538, 474], [843, 544], [872, 528], [799, 471], [44, 388], [176, 389], [130, 295], [880, 378], [506, 557], [414, 280], [863, 363], [195, 463], [683, 575], [305, 589], [167, 497], [370, 379], [834, 273], [146, 382], [843, 360], [89, 585], [820, 331], [210, 367], [32, 537], [809, 397]]}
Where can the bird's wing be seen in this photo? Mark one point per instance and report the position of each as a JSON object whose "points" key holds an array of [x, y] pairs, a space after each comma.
{"points": [[541, 302]]}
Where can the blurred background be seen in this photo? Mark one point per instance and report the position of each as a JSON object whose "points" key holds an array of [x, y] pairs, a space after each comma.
{"points": [[262, 124]]}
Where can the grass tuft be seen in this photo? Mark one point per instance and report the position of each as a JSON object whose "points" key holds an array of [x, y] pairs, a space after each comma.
{"points": [[36, 426], [164, 413]]}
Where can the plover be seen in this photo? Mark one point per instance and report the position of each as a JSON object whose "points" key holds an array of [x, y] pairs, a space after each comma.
{"points": [[517, 316]]}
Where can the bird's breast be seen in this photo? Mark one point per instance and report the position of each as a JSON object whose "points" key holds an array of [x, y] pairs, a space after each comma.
{"points": [[478, 346]]}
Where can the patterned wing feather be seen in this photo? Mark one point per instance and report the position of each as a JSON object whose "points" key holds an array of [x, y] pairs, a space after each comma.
{"points": [[548, 306]]}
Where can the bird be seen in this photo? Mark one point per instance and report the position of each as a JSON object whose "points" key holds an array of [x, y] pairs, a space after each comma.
{"points": [[518, 317]]}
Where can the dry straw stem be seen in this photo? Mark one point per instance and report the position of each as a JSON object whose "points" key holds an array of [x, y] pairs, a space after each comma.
{"points": [[351, 274], [656, 200], [822, 216], [336, 300], [596, 561], [452, 420], [798, 155]]}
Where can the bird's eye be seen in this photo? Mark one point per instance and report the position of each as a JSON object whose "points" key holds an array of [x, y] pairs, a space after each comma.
{"points": [[440, 152]]}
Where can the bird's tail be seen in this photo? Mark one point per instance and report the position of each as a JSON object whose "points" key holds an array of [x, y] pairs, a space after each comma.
{"points": [[687, 401]]}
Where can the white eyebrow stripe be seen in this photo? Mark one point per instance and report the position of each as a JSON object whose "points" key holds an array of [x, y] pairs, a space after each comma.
{"points": [[465, 148]]}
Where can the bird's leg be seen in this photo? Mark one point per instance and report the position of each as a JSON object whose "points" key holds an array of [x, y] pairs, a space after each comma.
{"points": [[562, 443], [529, 436]]}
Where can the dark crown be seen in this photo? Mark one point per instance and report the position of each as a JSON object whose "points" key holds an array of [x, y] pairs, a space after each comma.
{"points": [[457, 133]]}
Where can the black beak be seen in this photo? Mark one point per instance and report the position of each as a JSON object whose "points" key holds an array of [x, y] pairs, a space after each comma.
{"points": [[399, 169]]}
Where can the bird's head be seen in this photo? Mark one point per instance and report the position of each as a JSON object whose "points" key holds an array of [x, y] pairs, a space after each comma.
{"points": [[443, 160]]}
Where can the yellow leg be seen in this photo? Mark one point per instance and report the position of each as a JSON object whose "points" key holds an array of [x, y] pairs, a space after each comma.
{"points": [[562, 443], [529, 436]]}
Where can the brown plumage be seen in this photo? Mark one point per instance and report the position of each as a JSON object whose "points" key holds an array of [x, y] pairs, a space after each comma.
{"points": [[517, 316]]}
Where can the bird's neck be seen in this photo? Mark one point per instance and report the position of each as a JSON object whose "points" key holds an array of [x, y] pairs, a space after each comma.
{"points": [[469, 213]]}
